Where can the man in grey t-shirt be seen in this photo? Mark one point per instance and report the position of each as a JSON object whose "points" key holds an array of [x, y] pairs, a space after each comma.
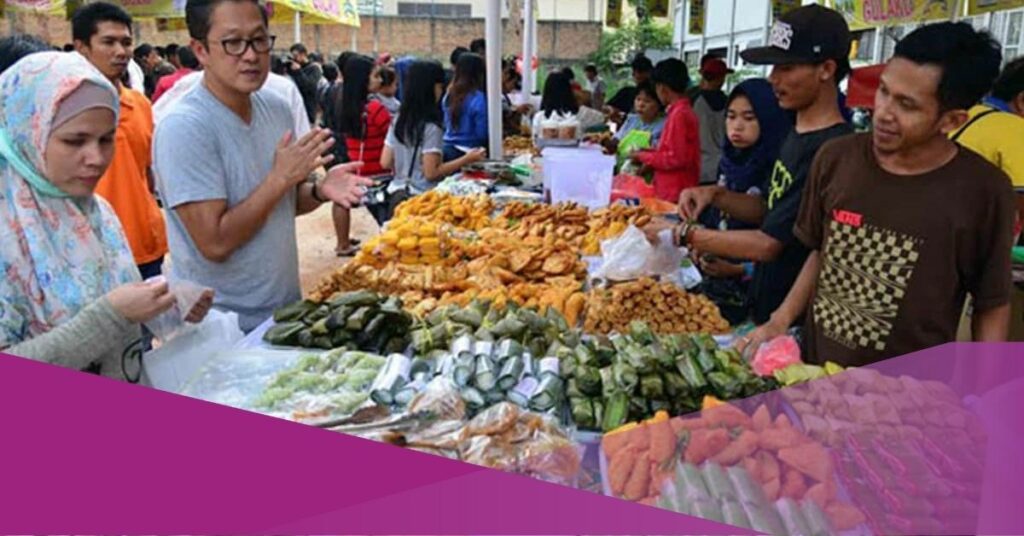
{"points": [[230, 174]]}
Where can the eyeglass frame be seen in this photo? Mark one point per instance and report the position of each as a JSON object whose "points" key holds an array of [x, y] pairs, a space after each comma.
{"points": [[249, 43]]}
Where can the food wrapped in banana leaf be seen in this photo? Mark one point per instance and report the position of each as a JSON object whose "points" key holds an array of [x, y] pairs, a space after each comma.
{"points": [[675, 385], [572, 390], [294, 312], [360, 318], [584, 355], [638, 409], [624, 376], [746, 489], [473, 398], [641, 332], [604, 352], [548, 394], [598, 412], [608, 385], [465, 368], [392, 377], [548, 366], [589, 380], [583, 412], [763, 518], [356, 299], [660, 405], [467, 317], [284, 334], [511, 371], [407, 392], [690, 483], [616, 411], [691, 372], [652, 387], [816, 519], [422, 366], [567, 366], [486, 377], [462, 346], [521, 394], [508, 348], [724, 386], [510, 326], [493, 397]]}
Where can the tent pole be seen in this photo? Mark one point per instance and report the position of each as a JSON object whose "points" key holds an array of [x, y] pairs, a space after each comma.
{"points": [[494, 49]]}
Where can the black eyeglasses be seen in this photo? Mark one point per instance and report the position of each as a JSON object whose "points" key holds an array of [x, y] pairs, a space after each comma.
{"points": [[238, 46]]}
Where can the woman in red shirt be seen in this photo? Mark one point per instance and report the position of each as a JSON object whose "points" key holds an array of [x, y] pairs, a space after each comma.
{"points": [[364, 124]]}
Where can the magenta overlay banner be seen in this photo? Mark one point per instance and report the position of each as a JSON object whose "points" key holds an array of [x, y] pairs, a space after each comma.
{"points": [[923, 444]]}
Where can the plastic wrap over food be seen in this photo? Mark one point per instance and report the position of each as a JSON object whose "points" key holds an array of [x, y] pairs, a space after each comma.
{"points": [[442, 398]]}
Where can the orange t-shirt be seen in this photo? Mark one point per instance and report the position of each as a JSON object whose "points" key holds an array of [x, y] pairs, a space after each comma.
{"points": [[125, 184]]}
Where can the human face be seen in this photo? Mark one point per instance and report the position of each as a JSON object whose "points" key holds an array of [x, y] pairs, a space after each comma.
{"points": [[907, 110], [639, 77], [438, 91], [79, 151], [797, 86], [645, 106], [590, 75], [245, 74], [109, 49], [152, 60], [374, 85], [741, 123], [664, 94]]}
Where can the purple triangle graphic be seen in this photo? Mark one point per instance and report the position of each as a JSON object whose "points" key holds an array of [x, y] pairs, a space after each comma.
{"points": [[91, 455]]}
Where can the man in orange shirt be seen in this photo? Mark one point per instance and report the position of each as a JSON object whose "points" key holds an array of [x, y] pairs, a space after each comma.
{"points": [[103, 35]]}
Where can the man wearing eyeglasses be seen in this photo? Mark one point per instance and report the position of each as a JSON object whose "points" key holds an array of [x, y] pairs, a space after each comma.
{"points": [[233, 174]]}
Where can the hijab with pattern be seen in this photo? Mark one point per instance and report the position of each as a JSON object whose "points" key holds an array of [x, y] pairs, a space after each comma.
{"points": [[58, 253]]}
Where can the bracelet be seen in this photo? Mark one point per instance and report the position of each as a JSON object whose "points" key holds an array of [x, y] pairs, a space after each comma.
{"points": [[683, 232], [316, 192]]}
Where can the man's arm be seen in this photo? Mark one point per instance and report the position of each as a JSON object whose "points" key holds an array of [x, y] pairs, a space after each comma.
{"points": [[752, 245], [792, 307], [307, 198], [742, 207], [991, 325], [219, 230]]}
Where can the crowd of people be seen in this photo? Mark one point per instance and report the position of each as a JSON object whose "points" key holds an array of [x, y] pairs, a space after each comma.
{"points": [[116, 156]]}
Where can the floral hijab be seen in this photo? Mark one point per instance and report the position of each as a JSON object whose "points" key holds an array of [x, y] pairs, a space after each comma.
{"points": [[58, 254]]}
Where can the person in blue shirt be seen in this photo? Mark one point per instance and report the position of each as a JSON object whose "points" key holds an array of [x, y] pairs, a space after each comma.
{"points": [[648, 116], [465, 108]]}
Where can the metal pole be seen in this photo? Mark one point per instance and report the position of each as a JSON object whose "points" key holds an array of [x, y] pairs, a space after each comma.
{"points": [[376, 32], [494, 48], [298, 27], [354, 33], [730, 56], [529, 29], [876, 53], [682, 6]]}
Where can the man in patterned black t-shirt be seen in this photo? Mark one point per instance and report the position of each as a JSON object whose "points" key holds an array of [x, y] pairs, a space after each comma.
{"points": [[903, 223]]}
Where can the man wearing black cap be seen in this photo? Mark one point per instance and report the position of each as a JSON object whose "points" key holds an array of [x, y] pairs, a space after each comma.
{"points": [[808, 50], [621, 104], [903, 222]]}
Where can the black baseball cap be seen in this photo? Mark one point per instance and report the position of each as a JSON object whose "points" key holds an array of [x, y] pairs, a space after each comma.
{"points": [[808, 34]]}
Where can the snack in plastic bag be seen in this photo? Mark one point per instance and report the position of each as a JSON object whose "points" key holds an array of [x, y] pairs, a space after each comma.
{"points": [[776, 354], [171, 322], [496, 419], [441, 397]]}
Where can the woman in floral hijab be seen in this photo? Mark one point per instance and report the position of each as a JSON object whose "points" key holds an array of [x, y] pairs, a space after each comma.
{"points": [[70, 292]]}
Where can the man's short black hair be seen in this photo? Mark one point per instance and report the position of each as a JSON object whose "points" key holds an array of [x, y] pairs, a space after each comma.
{"points": [[591, 68], [456, 54], [642, 64], [969, 60], [187, 58], [142, 51], [316, 57], [17, 46], [672, 73], [86, 20], [68, 47], [478, 46], [1011, 82], [343, 59], [199, 12], [331, 72], [298, 48], [171, 50]]}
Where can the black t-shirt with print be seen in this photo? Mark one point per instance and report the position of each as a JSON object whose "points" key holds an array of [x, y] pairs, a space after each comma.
{"points": [[782, 192]]}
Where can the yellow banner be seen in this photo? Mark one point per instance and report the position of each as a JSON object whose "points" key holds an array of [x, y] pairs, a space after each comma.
{"points": [[658, 8], [47, 7], [153, 9], [697, 17], [977, 7], [864, 14], [316, 11]]}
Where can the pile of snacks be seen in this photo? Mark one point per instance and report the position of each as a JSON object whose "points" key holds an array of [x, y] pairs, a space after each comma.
{"points": [[664, 306]]}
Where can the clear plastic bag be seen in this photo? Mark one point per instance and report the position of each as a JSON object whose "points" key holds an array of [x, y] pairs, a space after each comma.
{"points": [[171, 323], [631, 256]]}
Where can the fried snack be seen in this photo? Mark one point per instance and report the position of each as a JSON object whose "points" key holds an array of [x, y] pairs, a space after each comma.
{"points": [[666, 308], [412, 240], [462, 212]]}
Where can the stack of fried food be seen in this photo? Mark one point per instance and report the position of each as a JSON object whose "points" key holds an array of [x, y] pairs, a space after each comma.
{"points": [[394, 279], [462, 212], [572, 223], [410, 240], [666, 308], [610, 222], [517, 145]]}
